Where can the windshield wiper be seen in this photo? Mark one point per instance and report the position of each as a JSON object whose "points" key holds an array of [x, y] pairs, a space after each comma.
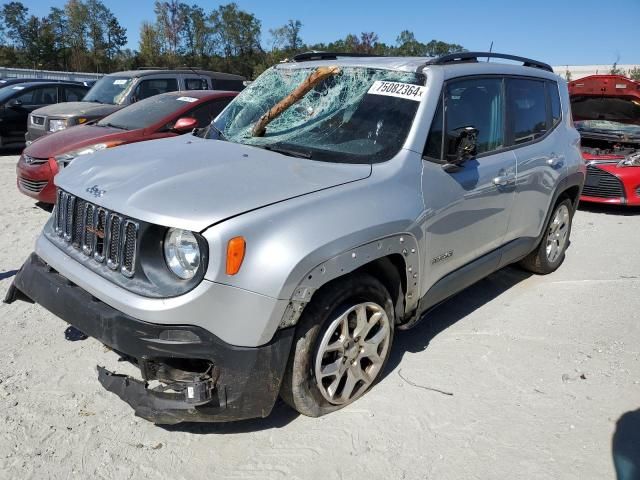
{"points": [[288, 151], [111, 125]]}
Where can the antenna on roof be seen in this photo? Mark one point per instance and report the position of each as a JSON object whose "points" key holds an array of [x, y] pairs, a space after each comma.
{"points": [[490, 50]]}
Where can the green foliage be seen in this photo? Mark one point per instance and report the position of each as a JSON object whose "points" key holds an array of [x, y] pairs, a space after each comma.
{"points": [[82, 36], [634, 74], [85, 35]]}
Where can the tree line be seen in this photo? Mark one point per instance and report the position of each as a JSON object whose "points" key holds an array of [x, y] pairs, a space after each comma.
{"points": [[85, 35]]}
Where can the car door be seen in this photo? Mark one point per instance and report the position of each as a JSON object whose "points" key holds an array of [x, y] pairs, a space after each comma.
{"points": [[534, 114], [467, 208], [25, 102]]}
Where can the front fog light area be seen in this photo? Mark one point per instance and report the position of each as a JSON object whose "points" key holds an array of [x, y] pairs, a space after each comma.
{"points": [[182, 253], [57, 125]]}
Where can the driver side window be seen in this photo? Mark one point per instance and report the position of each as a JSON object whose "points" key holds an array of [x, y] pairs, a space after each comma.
{"points": [[477, 103]]}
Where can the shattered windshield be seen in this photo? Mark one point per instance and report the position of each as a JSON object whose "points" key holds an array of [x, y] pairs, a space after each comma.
{"points": [[109, 90], [358, 115]]}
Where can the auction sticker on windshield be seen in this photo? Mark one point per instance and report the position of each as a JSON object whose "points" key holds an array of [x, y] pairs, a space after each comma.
{"points": [[187, 99], [397, 89], [119, 81]]}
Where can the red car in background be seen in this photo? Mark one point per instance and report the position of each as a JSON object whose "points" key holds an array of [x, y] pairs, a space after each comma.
{"points": [[606, 112], [161, 116]]}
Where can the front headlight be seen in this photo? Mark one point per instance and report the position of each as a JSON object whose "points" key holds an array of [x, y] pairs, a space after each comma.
{"points": [[632, 160], [57, 125], [182, 253], [64, 158]]}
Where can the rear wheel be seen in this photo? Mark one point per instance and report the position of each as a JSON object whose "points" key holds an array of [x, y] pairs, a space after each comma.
{"points": [[551, 252], [341, 346]]}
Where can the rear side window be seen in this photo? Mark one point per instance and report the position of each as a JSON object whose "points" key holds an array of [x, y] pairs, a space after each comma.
{"points": [[156, 86], [74, 94], [528, 109], [554, 101], [196, 84], [230, 85]]}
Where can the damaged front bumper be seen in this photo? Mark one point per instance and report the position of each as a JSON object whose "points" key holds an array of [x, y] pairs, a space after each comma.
{"points": [[196, 376]]}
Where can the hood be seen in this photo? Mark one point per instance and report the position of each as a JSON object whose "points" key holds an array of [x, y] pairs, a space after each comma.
{"points": [[73, 109], [606, 108], [76, 137], [192, 183]]}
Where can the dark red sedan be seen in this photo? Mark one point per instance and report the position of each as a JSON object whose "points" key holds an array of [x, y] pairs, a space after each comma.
{"points": [[161, 116], [606, 112]]}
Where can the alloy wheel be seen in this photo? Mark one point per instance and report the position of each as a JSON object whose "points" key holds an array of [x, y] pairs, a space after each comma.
{"points": [[558, 233], [352, 352]]}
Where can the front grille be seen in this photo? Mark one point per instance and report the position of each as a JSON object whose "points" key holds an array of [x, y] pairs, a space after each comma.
{"points": [[602, 184], [34, 186], [37, 120], [98, 233]]}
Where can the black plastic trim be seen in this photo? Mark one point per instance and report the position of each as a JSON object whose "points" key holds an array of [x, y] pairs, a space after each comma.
{"points": [[248, 380], [463, 57]]}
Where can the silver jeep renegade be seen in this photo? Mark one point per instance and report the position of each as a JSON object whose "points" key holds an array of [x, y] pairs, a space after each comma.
{"points": [[337, 199]]}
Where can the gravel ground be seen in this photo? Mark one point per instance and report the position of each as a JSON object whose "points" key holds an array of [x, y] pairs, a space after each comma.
{"points": [[539, 370]]}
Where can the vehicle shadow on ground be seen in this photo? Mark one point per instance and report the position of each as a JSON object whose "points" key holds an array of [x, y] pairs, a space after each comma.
{"points": [[455, 309], [281, 416], [626, 446], [620, 210]]}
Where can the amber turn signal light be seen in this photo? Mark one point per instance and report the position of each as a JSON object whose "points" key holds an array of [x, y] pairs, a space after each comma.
{"points": [[235, 254]]}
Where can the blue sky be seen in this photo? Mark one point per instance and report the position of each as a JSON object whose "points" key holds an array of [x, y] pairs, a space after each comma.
{"points": [[559, 32]]}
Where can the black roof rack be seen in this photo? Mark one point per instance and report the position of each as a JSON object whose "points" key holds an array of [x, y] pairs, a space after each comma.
{"points": [[313, 55], [464, 57]]}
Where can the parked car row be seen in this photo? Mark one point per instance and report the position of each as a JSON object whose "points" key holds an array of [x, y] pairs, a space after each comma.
{"points": [[333, 202], [31, 108]]}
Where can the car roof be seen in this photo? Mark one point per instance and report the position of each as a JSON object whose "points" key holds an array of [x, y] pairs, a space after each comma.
{"points": [[423, 64], [47, 83], [205, 73]]}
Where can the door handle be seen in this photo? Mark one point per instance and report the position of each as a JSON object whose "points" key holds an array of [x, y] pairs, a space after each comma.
{"points": [[555, 161], [502, 181]]}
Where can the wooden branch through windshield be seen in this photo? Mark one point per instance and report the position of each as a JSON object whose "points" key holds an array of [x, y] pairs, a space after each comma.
{"points": [[318, 75]]}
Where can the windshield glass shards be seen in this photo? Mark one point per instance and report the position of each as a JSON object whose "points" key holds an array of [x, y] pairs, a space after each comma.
{"points": [[111, 90], [355, 115]]}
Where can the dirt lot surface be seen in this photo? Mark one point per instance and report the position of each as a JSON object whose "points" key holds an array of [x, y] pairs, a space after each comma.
{"points": [[539, 370]]}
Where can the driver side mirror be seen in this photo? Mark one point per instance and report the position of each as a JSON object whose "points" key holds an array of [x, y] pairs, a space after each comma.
{"points": [[14, 103], [463, 145], [185, 124]]}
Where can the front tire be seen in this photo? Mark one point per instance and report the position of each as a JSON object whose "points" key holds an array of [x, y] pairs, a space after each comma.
{"points": [[549, 255], [341, 346]]}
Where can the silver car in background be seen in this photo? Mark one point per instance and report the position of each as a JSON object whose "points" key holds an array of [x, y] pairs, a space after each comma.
{"points": [[336, 200]]}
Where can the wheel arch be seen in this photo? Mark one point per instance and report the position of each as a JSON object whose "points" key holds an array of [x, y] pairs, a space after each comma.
{"points": [[393, 260]]}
